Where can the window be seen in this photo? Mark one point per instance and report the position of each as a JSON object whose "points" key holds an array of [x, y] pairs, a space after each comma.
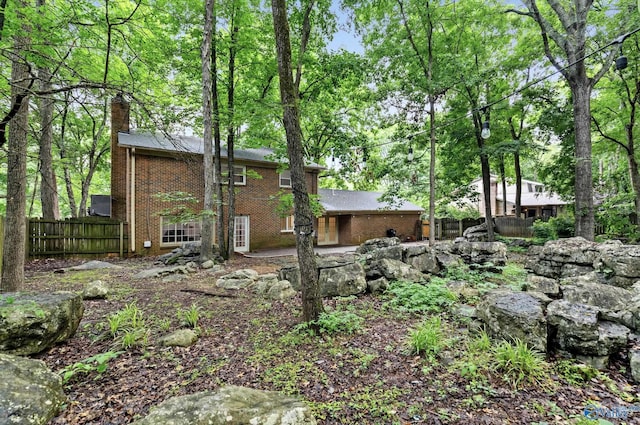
{"points": [[285, 178], [529, 187], [286, 224], [176, 233], [239, 174], [539, 188]]}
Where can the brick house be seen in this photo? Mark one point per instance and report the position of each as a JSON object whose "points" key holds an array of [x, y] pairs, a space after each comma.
{"points": [[144, 165]]}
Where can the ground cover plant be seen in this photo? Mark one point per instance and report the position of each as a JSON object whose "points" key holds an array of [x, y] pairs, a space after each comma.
{"points": [[404, 357]]}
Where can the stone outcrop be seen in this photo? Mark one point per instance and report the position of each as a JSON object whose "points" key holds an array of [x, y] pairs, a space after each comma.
{"points": [[239, 279], [422, 258], [377, 244], [163, 272], [478, 233], [481, 253], [634, 362], [30, 393], [32, 322], [565, 258], [392, 270], [186, 253], [230, 405], [268, 285], [510, 315], [341, 279]]}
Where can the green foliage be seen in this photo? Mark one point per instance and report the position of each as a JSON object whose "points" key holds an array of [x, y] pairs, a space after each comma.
{"points": [[428, 338], [127, 327], [416, 298], [554, 228], [514, 275], [615, 215], [334, 322], [97, 363], [284, 206], [181, 208], [457, 212], [190, 316], [518, 363], [575, 373]]}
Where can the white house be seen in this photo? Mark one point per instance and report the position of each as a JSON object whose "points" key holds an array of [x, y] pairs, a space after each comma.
{"points": [[535, 200]]}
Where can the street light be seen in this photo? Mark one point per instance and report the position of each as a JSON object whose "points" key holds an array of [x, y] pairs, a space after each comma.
{"points": [[410, 154], [486, 131]]}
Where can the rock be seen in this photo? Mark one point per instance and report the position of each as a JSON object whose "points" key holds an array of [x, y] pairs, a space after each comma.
{"points": [[634, 361], [238, 279], [462, 288], [574, 323], [161, 272], [270, 287], [546, 285], [30, 393], [596, 362], [565, 258], [614, 303], [477, 233], [390, 252], [179, 338], [207, 265], [510, 315], [174, 278], [482, 253], [291, 274], [32, 322], [341, 279], [95, 265], [230, 405], [95, 290], [620, 262], [378, 243], [392, 270], [421, 258], [378, 285], [465, 312]]}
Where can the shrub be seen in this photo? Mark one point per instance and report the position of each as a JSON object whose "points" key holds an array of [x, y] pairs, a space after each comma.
{"points": [[414, 297], [338, 322]]}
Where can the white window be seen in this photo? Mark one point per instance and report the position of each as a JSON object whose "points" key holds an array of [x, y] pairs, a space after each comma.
{"points": [[239, 174], [285, 178], [177, 233], [286, 224]]}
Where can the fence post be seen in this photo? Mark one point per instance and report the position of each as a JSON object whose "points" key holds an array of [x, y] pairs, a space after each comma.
{"points": [[460, 228], [121, 239], [1, 241], [27, 239]]}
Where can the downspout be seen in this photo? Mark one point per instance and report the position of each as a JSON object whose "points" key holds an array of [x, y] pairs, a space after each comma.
{"points": [[132, 219]]}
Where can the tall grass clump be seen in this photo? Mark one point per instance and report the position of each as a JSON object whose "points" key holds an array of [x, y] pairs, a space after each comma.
{"points": [[518, 363]]}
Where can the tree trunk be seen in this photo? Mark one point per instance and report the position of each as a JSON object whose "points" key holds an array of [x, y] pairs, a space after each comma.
{"points": [[584, 214], [49, 187], [634, 173], [207, 210], [516, 162], [432, 171], [503, 182], [217, 151], [15, 223], [303, 216], [231, 196], [486, 188]]}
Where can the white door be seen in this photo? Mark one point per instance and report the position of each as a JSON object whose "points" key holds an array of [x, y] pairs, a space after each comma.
{"points": [[242, 233], [328, 230]]}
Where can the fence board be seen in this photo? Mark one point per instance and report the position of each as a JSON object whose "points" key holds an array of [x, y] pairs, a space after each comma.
{"points": [[87, 236]]}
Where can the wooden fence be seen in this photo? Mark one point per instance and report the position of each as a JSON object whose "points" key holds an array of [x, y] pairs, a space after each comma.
{"points": [[75, 237], [451, 228]]}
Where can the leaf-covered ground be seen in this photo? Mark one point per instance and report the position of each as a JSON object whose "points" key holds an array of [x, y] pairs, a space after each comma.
{"points": [[365, 377]]}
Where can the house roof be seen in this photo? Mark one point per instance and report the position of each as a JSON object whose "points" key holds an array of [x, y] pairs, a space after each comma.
{"points": [[334, 200], [194, 145]]}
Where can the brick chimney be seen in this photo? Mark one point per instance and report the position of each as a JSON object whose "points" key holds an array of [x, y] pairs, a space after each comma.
{"points": [[119, 123]]}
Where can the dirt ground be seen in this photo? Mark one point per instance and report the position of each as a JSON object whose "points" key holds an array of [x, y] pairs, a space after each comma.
{"points": [[367, 377]]}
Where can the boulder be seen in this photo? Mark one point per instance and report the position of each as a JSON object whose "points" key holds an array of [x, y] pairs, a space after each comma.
{"points": [[292, 275], [378, 243], [477, 233], [482, 253], [615, 304], [238, 279], [620, 262], [421, 258], [634, 362], [392, 270], [378, 285], [96, 290], [565, 258], [157, 272], [230, 405], [545, 285], [337, 279], [179, 338], [510, 315], [32, 322], [30, 393], [270, 287]]}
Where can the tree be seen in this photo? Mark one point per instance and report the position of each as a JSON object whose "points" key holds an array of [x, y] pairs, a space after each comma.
{"points": [[564, 28], [15, 224], [303, 228], [207, 225]]}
